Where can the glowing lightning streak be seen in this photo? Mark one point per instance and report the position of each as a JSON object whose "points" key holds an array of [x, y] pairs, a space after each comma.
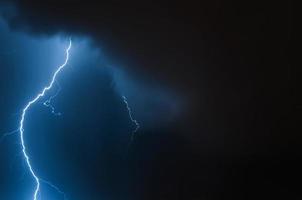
{"points": [[54, 187], [131, 118], [21, 129]]}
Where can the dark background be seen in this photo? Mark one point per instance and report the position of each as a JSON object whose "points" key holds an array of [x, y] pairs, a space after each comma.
{"points": [[236, 137]]}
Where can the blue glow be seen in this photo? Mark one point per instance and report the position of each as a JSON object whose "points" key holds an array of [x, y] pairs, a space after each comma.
{"points": [[21, 129], [96, 117]]}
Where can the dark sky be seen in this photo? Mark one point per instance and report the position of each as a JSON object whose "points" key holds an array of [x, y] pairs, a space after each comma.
{"points": [[209, 81]]}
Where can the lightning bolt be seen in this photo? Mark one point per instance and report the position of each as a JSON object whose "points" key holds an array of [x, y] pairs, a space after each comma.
{"points": [[48, 104], [24, 111], [137, 126]]}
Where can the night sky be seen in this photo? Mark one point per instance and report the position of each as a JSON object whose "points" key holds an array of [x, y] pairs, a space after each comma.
{"points": [[210, 82]]}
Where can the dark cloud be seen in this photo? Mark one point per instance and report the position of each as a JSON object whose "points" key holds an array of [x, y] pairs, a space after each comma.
{"points": [[229, 60]]}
